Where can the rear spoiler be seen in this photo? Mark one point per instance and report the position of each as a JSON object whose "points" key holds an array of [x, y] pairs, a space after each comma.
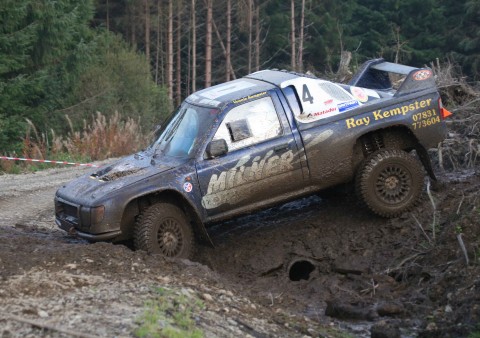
{"points": [[374, 74]]}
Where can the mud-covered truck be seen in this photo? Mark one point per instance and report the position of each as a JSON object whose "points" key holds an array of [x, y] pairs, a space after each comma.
{"points": [[258, 141]]}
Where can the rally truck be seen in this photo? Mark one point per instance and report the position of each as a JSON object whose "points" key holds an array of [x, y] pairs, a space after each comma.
{"points": [[255, 142]]}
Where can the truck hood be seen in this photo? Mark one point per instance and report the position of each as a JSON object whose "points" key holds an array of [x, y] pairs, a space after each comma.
{"points": [[125, 172]]}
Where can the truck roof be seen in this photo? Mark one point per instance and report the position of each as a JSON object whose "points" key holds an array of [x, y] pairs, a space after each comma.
{"points": [[260, 81], [330, 98], [276, 77], [222, 94], [319, 98]]}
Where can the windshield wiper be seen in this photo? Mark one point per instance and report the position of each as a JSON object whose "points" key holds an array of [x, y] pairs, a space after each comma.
{"points": [[162, 144], [171, 134]]}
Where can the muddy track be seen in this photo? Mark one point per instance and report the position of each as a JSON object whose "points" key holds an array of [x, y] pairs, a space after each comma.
{"points": [[27, 199], [301, 269]]}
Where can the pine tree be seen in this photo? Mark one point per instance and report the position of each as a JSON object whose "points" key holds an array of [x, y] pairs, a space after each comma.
{"points": [[469, 46], [41, 45], [53, 63]]}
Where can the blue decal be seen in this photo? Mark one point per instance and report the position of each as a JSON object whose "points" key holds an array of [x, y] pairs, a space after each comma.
{"points": [[347, 105]]}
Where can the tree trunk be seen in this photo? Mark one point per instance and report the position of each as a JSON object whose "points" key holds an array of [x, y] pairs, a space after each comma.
{"points": [[250, 23], [223, 47], [170, 50], [208, 45], [194, 48], [292, 34], [257, 38], [229, 40], [300, 47], [158, 49], [343, 71], [147, 30], [108, 16], [189, 58], [133, 21], [179, 51]]}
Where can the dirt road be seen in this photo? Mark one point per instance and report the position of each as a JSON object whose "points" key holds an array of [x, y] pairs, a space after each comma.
{"points": [[319, 266]]}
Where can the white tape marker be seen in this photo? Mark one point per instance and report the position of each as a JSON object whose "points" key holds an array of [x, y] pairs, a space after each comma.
{"points": [[48, 161]]}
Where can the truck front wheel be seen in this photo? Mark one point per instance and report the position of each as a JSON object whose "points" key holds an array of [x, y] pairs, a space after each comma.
{"points": [[163, 228], [390, 182]]}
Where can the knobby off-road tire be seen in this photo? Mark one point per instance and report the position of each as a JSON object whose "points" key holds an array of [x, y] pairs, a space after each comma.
{"points": [[390, 182], [164, 229]]}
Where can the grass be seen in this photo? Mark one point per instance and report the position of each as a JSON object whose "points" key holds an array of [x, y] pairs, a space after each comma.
{"points": [[104, 138], [476, 333], [100, 139], [170, 315]]}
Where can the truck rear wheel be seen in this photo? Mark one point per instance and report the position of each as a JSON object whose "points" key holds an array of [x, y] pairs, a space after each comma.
{"points": [[163, 228], [390, 182]]}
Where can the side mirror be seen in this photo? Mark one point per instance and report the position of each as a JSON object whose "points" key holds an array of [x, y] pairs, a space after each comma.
{"points": [[216, 148]]}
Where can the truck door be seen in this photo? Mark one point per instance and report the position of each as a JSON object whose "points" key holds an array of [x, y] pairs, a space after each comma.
{"points": [[262, 162]]}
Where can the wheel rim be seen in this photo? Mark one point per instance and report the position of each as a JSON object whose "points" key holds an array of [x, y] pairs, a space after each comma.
{"points": [[393, 184], [169, 237]]}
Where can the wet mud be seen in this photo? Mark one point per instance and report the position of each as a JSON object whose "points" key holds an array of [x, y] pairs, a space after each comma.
{"points": [[295, 270]]}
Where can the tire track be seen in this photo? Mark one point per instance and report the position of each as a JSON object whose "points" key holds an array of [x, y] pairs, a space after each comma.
{"points": [[27, 199]]}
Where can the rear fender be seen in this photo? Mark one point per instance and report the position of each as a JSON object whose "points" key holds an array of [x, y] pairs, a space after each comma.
{"points": [[398, 137]]}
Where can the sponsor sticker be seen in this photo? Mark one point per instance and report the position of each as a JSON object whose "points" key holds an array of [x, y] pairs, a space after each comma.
{"points": [[422, 74], [249, 97], [323, 112], [359, 94], [344, 106], [187, 186]]}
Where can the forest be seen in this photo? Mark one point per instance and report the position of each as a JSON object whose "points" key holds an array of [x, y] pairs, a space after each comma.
{"points": [[65, 64]]}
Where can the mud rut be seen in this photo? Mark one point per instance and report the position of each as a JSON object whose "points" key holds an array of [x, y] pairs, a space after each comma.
{"points": [[290, 264]]}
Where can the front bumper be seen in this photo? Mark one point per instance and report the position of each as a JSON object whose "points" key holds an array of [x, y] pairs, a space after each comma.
{"points": [[70, 228], [78, 220]]}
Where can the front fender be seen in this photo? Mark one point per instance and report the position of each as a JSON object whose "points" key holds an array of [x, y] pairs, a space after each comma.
{"points": [[182, 189]]}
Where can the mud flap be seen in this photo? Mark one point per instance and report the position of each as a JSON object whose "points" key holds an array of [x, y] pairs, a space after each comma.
{"points": [[203, 235], [199, 228], [427, 164]]}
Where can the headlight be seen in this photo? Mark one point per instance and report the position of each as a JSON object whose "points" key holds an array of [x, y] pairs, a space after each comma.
{"points": [[92, 216], [97, 214]]}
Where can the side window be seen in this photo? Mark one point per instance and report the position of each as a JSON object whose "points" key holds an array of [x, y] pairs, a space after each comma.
{"points": [[250, 123]]}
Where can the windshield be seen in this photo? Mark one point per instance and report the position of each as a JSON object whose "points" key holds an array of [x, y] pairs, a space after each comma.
{"points": [[180, 136]]}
